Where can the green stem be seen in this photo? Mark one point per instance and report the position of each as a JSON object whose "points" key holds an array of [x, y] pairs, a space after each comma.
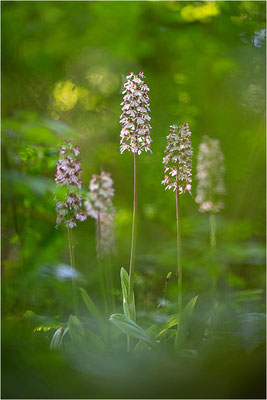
{"points": [[110, 285], [212, 231], [179, 267], [72, 263], [133, 244], [213, 246], [100, 265]]}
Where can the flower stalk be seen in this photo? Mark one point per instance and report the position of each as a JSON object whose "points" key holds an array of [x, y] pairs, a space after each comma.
{"points": [[212, 230], [135, 137], [178, 167], [210, 188], [69, 201], [178, 249], [99, 206], [133, 242], [72, 263]]}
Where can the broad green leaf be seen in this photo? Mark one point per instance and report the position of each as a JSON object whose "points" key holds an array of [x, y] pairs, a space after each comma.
{"points": [[152, 333], [172, 321], [94, 311], [57, 338], [130, 328], [189, 308], [128, 301], [94, 341], [63, 335], [84, 336], [156, 330], [90, 304], [186, 315], [75, 328]]}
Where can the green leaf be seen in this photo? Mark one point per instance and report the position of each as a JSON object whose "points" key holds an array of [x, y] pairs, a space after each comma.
{"points": [[95, 342], [130, 328], [75, 328], [58, 337], [172, 321], [186, 315], [189, 308], [84, 336], [152, 333], [156, 330], [128, 300], [90, 304], [94, 311]]}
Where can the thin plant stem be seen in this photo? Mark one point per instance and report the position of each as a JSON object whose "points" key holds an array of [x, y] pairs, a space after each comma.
{"points": [[133, 244], [212, 230], [110, 285], [213, 246], [179, 266], [72, 263], [100, 265]]}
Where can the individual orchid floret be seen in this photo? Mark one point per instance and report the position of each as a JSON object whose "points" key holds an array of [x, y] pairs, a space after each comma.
{"points": [[135, 132], [69, 204], [178, 159], [101, 192], [210, 175]]}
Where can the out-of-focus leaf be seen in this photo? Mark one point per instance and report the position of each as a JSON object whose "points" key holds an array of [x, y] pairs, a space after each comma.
{"points": [[172, 321], [75, 328], [130, 328], [57, 339], [152, 333], [189, 308], [93, 310], [128, 300]]}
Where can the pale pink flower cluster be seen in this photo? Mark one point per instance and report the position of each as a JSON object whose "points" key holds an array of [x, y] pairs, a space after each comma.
{"points": [[135, 133], [68, 166], [69, 175], [178, 159], [210, 173], [107, 237], [101, 192]]}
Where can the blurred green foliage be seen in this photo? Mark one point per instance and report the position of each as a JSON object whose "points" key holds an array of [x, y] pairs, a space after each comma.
{"points": [[63, 67]]}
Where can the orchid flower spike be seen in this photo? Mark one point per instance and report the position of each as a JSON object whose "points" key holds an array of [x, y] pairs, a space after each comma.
{"points": [[135, 132], [210, 175], [68, 175], [101, 192], [178, 159]]}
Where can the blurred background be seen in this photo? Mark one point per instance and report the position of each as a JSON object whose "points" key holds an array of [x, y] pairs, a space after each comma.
{"points": [[63, 68]]}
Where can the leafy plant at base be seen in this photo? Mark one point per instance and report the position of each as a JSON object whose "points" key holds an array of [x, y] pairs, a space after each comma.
{"points": [[130, 328]]}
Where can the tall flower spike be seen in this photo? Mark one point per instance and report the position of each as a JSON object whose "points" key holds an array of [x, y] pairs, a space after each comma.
{"points": [[135, 133], [178, 159], [69, 206], [99, 198], [210, 173]]}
